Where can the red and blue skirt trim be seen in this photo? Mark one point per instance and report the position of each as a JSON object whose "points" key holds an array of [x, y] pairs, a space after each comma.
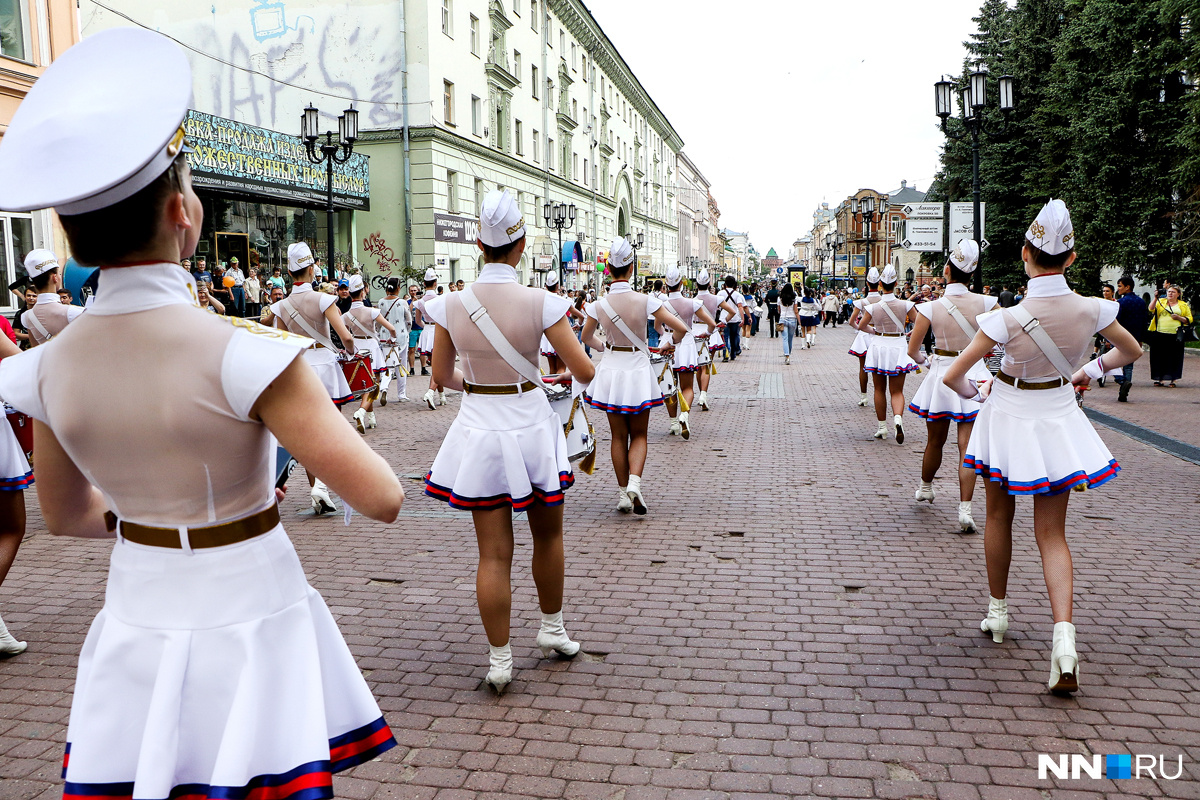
{"points": [[939, 416], [18, 483], [536, 497], [1076, 480], [618, 409]]}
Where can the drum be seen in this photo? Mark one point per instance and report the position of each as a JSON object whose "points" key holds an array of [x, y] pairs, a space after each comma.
{"points": [[581, 437], [359, 375], [703, 353], [22, 426], [666, 376]]}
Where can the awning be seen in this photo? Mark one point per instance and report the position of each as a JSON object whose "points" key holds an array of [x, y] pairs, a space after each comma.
{"points": [[572, 251]]}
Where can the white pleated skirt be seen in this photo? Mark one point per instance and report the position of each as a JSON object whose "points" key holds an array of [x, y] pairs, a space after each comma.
{"points": [[716, 341], [687, 355], [502, 451], [860, 345], [15, 475], [546, 348], [425, 343], [329, 370], [215, 673], [373, 349], [1037, 442], [888, 355], [625, 383], [935, 401]]}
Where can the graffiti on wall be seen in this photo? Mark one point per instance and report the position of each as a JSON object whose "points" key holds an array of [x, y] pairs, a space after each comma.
{"points": [[385, 258], [269, 20]]}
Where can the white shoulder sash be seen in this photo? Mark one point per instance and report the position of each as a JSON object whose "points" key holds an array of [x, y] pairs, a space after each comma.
{"points": [[496, 339], [638, 342], [298, 318], [958, 316], [1029, 323]]}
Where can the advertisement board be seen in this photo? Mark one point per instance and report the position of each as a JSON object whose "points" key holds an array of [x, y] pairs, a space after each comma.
{"points": [[924, 235]]}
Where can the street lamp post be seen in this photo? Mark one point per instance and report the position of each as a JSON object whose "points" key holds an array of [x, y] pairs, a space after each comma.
{"points": [[833, 243], [867, 214], [559, 216], [331, 152], [636, 241], [974, 101]]}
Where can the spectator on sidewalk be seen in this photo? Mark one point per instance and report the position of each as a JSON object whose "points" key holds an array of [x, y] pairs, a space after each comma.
{"points": [[1007, 298], [772, 298], [1135, 318], [237, 289], [1170, 313], [253, 294]]}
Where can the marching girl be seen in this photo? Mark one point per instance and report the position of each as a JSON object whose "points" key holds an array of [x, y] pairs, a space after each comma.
{"points": [[686, 361], [554, 364], [361, 322], [952, 321], [887, 355], [395, 310], [505, 451], [1031, 438], [625, 386], [810, 315], [713, 304], [213, 667], [15, 478], [862, 340], [435, 395]]}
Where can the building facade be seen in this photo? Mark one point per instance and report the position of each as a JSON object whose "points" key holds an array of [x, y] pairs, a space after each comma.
{"points": [[907, 262], [32, 34], [695, 231]]}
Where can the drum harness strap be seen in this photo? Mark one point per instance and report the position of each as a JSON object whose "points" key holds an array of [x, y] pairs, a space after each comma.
{"points": [[367, 333], [296, 317], [958, 316], [37, 323], [1029, 323], [612, 314]]}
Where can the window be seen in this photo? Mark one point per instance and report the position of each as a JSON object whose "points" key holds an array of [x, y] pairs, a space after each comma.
{"points": [[474, 34], [447, 18], [562, 42], [479, 192], [550, 154], [584, 176], [535, 145], [476, 116], [448, 103], [520, 133], [533, 15], [574, 109], [573, 56], [517, 65], [14, 31], [574, 164], [516, 8], [451, 191], [533, 81], [583, 64], [16, 240]]}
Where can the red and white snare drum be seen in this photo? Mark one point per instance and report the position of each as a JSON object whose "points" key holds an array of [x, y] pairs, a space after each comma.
{"points": [[359, 374], [22, 426]]}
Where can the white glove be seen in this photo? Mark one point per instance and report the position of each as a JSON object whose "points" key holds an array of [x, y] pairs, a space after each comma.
{"points": [[1094, 369], [920, 359]]}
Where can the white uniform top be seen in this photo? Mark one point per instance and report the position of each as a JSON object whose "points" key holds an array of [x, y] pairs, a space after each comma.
{"points": [[50, 312], [628, 309], [430, 294], [734, 298], [360, 321], [948, 334]]}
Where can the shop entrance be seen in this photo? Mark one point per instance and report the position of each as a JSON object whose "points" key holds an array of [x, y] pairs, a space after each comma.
{"points": [[234, 245]]}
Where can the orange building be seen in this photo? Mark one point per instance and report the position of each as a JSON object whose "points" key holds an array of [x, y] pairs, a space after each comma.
{"points": [[32, 34]]}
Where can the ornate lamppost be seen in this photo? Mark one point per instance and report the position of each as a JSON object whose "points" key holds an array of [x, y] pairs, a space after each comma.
{"points": [[637, 241], [559, 216], [866, 213], [331, 152]]}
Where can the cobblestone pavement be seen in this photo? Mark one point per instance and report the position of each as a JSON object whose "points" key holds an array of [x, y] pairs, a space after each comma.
{"points": [[1171, 412], [785, 622]]}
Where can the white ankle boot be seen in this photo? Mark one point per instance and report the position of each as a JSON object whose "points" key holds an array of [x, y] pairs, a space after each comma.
{"points": [[371, 420], [882, 433], [676, 429], [360, 418], [441, 398], [898, 421], [430, 399], [552, 638], [862, 401], [966, 523], [684, 431], [321, 501], [9, 645], [499, 668], [624, 504], [1064, 661], [996, 620], [702, 401], [635, 494], [925, 492]]}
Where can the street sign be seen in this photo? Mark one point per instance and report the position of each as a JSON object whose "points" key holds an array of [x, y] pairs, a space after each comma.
{"points": [[923, 235], [923, 211], [779, 270], [962, 221]]}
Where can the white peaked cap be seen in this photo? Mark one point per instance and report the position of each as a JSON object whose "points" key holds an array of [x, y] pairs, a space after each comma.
{"points": [[1052, 231], [431, 274], [300, 257], [888, 275], [500, 220], [103, 122], [620, 255], [703, 277], [873, 275], [552, 278], [673, 276], [355, 283], [39, 262], [965, 255]]}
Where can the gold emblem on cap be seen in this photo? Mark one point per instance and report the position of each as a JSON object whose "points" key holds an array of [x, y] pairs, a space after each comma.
{"points": [[1068, 237], [176, 143], [520, 224], [1037, 230]]}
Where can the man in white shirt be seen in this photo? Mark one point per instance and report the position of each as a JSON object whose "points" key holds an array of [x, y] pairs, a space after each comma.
{"points": [[238, 290], [733, 325]]}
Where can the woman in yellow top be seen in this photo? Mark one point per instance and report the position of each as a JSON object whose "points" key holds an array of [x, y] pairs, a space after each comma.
{"points": [[1166, 349]]}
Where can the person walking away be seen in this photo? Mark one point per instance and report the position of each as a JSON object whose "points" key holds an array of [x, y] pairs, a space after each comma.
{"points": [[685, 361], [788, 315], [1135, 318], [363, 324], [810, 312], [1168, 315], [395, 310], [830, 306], [772, 300], [732, 322], [887, 356], [718, 309], [951, 320], [1031, 437], [862, 341]]}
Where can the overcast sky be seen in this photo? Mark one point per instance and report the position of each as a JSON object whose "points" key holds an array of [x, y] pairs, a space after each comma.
{"points": [[785, 104]]}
